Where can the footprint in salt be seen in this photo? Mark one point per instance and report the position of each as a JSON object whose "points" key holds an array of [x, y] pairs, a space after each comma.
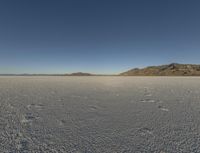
{"points": [[75, 96], [60, 99], [36, 106], [10, 106], [145, 131], [61, 122], [28, 107], [148, 94], [163, 109], [148, 101], [93, 108], [27, 118], [39, 106]]}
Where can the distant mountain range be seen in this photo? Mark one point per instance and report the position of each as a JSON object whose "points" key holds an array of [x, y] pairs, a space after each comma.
{"points": [[67, 74], [173, 69], [71, 74], [80, 74]]}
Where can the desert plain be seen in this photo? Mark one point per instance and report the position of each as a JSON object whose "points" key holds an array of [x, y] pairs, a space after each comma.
{"points": [[97, 114]]}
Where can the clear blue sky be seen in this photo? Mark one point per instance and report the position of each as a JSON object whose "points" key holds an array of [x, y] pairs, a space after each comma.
{"points": [[99, 36]]}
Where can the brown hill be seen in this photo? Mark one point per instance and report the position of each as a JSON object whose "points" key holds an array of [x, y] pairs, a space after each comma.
{"points": [[173, 69], [80, 74]]}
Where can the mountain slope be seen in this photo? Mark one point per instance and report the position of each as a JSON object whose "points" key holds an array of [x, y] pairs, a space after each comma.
{"points": [[173, 69]]}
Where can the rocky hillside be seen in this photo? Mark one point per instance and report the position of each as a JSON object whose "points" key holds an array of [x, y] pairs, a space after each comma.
{"points": [[173, 69]]}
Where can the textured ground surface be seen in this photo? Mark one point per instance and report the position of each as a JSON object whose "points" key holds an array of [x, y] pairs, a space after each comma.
{"points": [[99, 114]]}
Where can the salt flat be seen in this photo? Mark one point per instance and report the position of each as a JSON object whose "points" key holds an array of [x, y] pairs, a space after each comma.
{"points": [[99, 114]]}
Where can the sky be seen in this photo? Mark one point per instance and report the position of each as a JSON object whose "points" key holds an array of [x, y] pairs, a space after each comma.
{"points": [[97, 36]]}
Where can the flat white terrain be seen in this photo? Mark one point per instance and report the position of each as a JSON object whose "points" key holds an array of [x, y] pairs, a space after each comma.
{"points": [[99, 114]]}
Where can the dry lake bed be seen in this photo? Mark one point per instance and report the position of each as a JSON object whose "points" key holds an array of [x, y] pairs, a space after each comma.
{"points": [[99, 114]]}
